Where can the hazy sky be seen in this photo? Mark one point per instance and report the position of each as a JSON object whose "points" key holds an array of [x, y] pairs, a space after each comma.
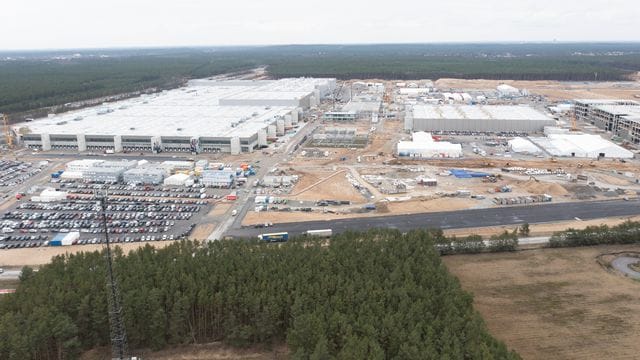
{"points": [[36, 24]]}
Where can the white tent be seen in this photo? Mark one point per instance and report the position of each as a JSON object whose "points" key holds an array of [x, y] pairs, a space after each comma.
{"points": [[51, 195], [523, 146], [177, 180], [582, 145]]}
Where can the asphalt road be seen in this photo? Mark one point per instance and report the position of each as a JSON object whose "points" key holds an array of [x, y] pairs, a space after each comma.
{"points": [[10, 274], [622, 264], [510, 215]]}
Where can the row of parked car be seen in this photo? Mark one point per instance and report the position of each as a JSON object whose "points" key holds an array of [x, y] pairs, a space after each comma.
{"points": [[13, 173], [76, 206]]}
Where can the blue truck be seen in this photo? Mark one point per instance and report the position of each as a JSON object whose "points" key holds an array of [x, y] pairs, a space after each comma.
{"points": [[274, 237]]}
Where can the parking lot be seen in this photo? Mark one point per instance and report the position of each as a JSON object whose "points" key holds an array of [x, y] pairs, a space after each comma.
{"points": [[134, 214], [13, 173]]}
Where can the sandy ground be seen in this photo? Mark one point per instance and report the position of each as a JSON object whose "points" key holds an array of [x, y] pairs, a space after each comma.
{"points": [[213, 351], [219, 209], [334, 188], [441, 204], [43, 255], [554, 303], [554, 90], [202, 231]]}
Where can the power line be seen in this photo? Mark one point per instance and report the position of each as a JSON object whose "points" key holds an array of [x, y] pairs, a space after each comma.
{"points": [[116, 321]]}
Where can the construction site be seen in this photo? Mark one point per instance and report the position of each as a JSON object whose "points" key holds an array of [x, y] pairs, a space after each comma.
{"points": [[321, 149], [546, 155]]}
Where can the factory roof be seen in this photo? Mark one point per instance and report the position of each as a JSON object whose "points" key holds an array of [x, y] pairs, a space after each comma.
{"points": [[487, 112], [191, 111]]}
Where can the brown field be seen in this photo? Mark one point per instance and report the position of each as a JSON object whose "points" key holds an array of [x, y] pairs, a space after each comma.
{"points": [[202, 231], [43, 255], [554, 303], [219, 209], [335, 187]]}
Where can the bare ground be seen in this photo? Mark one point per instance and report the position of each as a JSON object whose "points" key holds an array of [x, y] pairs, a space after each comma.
{"points": [[544, 229], [554, 303], [202, 231], [43, 255]]}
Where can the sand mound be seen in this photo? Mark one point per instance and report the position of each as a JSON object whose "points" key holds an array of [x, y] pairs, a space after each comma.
{"points": [[544, 188]]}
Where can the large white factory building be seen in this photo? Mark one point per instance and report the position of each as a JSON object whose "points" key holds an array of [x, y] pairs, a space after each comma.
{"points": [[487, 118], [205, 116]]}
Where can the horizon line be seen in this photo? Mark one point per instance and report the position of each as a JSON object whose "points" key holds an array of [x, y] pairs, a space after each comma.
{"points": [[161, 47]]}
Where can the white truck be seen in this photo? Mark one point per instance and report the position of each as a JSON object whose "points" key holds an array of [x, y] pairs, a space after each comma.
{"points": [[320, 233]]}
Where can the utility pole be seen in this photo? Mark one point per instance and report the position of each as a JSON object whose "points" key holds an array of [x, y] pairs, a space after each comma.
{"points": [[117, 328]]}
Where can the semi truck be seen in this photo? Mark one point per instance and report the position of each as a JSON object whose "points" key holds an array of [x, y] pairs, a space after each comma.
{"points": [[320, 233], [274, 237]]}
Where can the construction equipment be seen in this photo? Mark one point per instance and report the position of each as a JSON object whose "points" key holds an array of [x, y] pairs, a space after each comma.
{"points": [[7, 131]]}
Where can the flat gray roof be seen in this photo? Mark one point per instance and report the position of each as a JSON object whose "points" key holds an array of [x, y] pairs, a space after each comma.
{"points": [[477, 112]]}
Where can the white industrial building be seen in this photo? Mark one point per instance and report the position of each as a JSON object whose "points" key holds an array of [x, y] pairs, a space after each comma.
{"points": [[487, 118], [143, 175], [423, 146], [103, 175], [581, 145], [218, 178], [81, 165], [205, 116]]}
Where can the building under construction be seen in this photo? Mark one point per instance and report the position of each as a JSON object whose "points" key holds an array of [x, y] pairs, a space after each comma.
{"points": [[620, 117], [340, 137]]}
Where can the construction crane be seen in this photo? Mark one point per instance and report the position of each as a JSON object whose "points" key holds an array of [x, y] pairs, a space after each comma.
{"points": [[574, 122], [7, 131]]}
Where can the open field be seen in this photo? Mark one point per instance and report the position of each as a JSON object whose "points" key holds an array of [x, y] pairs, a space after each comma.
{"points": [[554, 303]]}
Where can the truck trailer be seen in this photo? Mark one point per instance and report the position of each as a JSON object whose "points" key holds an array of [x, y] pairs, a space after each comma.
{"points": [[320, 233], [274, 237]]}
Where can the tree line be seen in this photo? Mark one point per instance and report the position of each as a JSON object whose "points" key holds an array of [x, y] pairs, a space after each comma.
{"points": [[379, 294], [625, 233], [30, 83]]}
